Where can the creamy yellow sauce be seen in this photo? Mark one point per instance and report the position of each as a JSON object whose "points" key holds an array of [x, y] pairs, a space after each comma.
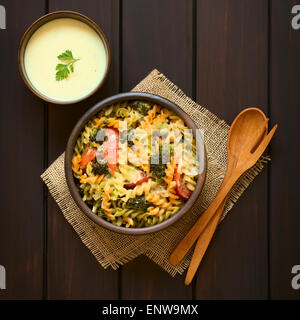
{"points": [[54, 38]]}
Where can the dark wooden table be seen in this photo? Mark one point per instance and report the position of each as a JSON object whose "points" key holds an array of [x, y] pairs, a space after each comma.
{"points": [[225, 54]]}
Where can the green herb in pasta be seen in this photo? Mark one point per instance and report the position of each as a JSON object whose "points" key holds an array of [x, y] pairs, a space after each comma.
{"points": [[138, 203], [100, 168], [142, 107]]}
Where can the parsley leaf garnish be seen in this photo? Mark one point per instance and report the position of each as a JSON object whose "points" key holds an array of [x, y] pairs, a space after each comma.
{"points": [[67, 55], [63, 70]]}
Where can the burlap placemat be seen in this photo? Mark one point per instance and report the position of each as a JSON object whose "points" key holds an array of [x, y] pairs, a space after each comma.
{"points": [[112, 249]]}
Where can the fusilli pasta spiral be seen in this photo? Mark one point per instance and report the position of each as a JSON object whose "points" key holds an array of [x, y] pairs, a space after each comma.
{"points": [[137, 192]]}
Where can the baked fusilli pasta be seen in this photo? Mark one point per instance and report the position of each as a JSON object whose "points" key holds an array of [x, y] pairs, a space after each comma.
{"points": [[132, 165]]}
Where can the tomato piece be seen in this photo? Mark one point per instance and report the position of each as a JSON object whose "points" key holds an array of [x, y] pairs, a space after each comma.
{"points": [[181, 189], [88, 155], [131, 185], [144, 179], [111, 148]]}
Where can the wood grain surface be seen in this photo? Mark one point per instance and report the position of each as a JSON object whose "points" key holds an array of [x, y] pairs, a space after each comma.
{"points": [[284, 172], [22, 161], [225, 54], [236, 264]]}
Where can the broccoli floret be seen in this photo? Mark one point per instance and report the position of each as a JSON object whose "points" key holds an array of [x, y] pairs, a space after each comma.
{"points": [[158, 170], [142, 107], [138, 203], [100, 168]]}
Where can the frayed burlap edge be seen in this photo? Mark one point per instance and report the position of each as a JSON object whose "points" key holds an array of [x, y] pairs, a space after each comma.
{"points": [[112, 249]]}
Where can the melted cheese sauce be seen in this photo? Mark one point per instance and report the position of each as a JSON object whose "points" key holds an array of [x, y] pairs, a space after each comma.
{"points": [[54, 38]]}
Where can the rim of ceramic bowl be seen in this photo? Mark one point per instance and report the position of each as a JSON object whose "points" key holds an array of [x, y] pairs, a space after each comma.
{"points": [[35, 26], [69, 154]]}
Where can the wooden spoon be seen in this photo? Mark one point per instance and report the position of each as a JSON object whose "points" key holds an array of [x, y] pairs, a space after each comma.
{"points": [[243, 152], [187, 242], [207, 233], [258, 120]]}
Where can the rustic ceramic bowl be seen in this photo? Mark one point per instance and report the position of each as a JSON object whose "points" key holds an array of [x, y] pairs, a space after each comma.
{"points": [[69, 154], [36, 25]]}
